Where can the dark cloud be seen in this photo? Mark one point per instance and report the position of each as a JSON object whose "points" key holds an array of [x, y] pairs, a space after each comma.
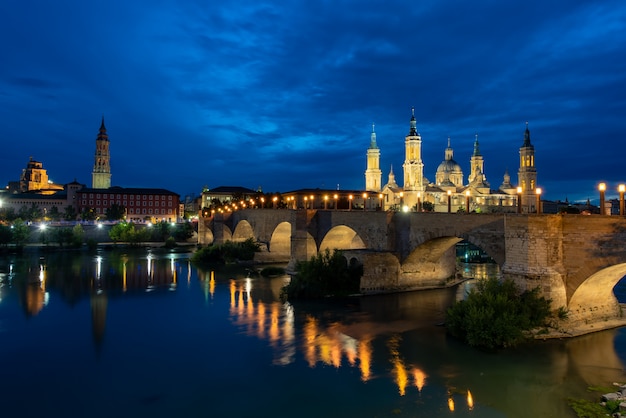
{"points": [[283, 94]]}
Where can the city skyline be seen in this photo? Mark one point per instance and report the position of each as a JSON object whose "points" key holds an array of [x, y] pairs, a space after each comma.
{"points": [[283, 96]]}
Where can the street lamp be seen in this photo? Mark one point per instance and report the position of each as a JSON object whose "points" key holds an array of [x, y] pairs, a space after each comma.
{"points": [[380, 199], [311, 200], [419, 202], [364, 201], [519, 200], [325, 201], [449, 201], [602, 188], [306, 202], [538, 204], [621, 188], [350, 202], [275, 199], [335, 196], [467, 201]]}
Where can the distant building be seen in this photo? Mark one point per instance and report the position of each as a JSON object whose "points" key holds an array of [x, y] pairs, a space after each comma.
{"points": [[448, 192], [34, 179], [101, 175], [141, 204], [226, 194]]}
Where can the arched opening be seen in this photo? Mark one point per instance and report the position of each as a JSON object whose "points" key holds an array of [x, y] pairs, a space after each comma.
{"points": [[281, 239], [594, 299], [342, 238], [243, 231]]}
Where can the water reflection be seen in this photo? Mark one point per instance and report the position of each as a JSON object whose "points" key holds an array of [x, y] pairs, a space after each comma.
{"points": [[393, 343]]}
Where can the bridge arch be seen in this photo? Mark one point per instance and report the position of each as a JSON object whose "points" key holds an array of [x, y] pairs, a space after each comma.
{"points": [[280, 242], [594, 299], [242, 231], [341, 237]]}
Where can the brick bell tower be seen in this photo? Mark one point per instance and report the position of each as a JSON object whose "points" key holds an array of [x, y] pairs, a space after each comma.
{"points": [[101, 174]]}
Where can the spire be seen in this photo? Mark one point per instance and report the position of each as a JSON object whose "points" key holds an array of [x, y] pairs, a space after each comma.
{"points": [[527, 137], [373, 138], [413, 131], [476, 149], [102, 135], [449, 153]]}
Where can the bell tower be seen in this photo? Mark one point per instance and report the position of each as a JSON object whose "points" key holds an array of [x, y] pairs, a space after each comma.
{"points": [[101, 175], [373, 175], [527, 174], [413, 165]]}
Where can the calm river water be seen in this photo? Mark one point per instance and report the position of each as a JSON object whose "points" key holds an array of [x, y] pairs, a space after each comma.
{"points": [[141, 334]]}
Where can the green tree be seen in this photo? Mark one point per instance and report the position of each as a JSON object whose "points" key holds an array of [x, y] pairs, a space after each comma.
{"points": [[63, 236], [5, 235], [78, 235], [325, 274], [70, 213], [496, 314], [115, 212], [182, 231], [8, 214], [126, 232], [54, 214], [88, 214], [118, 232], [428, 207], [21, 233]]}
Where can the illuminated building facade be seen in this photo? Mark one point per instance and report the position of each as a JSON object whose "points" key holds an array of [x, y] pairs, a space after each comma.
{"points": [[448, 192], [140, 204], [527, 174], [373, 175]]}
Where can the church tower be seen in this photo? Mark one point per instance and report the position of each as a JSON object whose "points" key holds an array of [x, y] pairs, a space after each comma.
{"points": [[527, 174], [373, 175], [413, 165], [477, 166], [101, 175]]}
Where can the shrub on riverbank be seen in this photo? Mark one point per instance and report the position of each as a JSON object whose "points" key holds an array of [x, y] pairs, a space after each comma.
{"points": [[323, 275], [227, 252], [496, 314]]}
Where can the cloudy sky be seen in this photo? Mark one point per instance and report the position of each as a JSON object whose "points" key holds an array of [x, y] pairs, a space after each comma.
{"points": [[283, 94]]}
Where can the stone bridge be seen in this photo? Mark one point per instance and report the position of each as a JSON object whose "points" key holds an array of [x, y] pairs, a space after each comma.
{"points": [[575, 260]]}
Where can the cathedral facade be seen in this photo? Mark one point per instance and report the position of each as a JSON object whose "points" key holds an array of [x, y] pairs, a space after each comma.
{"points": [[450, 192]]}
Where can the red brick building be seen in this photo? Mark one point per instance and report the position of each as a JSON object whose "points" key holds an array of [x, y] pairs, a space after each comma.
{"points": [[140, 204]]}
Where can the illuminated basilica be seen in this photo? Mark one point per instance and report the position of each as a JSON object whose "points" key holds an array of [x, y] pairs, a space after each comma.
{"points": [[449, 192]]}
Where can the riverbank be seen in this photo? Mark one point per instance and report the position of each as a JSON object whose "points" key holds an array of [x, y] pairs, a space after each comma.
{"points": [[582, 329]]}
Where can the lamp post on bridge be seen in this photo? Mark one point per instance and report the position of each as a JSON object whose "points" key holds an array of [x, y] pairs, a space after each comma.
{"points": [[519, 200], [350, 197], [621, 188], [419, 202], [467, 201], [449, 201], [602, 188], [325, 202], [364, 201], [380, 199]]}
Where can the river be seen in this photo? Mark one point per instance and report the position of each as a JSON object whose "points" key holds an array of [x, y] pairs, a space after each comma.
{"points": [[137, 333]]}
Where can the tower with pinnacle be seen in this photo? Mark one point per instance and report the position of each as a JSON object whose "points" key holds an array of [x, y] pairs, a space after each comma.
{"points": [[477, 166], [413, 165], [527, 174], [373, 175], [101, 174]]}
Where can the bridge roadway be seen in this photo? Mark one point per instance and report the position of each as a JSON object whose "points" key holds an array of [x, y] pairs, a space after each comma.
{"points": [[576, 260]]}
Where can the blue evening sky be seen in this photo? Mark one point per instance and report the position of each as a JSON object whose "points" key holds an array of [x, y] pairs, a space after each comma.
{"points": [[283, 94]]}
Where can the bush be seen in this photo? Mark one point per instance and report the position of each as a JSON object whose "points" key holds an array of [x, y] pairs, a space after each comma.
{"points": [[272, 271], [170, 242], [227, 252], [496, 314], [323, 275]]}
